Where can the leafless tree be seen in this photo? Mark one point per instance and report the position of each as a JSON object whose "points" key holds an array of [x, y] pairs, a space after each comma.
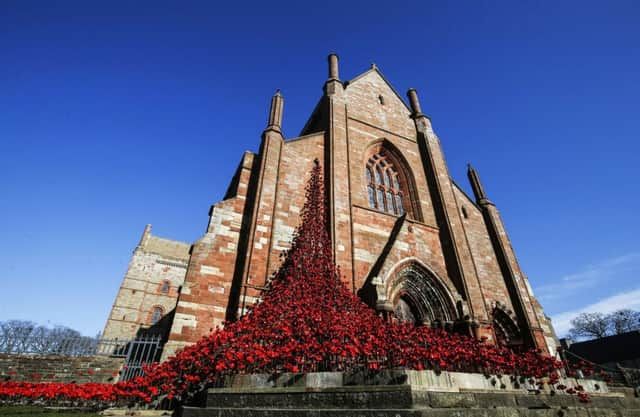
{"points": [[589, 325], [21, 336], [625, 320], [15, 334], [596, 325]]}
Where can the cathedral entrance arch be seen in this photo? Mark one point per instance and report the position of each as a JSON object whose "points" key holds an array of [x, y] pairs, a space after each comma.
{"points": [[418, 296]]}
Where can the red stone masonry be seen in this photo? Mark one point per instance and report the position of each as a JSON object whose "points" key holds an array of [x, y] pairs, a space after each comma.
{"points": [[448, 257]]}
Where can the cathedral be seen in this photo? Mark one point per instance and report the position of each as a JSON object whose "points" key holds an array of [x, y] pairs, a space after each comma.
{"points": [[408, 240]]}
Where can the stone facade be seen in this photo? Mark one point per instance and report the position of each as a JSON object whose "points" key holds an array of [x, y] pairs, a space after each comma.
{"points": [[151, 285], [408, 239]]}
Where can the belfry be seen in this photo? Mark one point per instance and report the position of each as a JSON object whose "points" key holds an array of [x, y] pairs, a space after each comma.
{"points": [[408, 240]]}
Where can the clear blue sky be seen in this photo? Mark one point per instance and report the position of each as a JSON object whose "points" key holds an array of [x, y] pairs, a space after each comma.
{"points": [[117, 114]]}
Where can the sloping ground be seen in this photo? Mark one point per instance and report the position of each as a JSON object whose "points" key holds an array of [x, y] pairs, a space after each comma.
{"points": [[400, 401]]}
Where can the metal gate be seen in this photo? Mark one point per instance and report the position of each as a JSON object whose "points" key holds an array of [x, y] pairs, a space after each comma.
{"points": [[139, 352]]}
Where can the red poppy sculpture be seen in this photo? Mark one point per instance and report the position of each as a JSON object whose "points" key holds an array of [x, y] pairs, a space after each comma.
{"points": [[307, 320]]}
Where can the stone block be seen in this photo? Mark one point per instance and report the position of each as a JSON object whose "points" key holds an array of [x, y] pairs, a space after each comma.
{"points": [[451, 400]]}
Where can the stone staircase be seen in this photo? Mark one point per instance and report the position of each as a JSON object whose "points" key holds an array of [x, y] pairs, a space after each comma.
{"points": [[403, 400], [400, 393]]}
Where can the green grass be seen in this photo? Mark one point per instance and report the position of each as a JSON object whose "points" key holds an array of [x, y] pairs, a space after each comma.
{"points": [[25, 411]]}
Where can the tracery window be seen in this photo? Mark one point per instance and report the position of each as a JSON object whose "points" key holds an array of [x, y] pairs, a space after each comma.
{"points": [[383, 185]]}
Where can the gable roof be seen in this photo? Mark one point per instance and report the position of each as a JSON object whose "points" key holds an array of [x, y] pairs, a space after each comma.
{"points": [[375, 69]]}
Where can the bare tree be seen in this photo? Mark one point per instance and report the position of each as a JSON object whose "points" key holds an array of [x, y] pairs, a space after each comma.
{"points": [[15, 334], [589, 325], [625, 320], [21, 336], [596, 325]]}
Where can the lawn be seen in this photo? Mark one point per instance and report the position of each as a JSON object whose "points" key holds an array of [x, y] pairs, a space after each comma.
{"points": [[40, 412]]}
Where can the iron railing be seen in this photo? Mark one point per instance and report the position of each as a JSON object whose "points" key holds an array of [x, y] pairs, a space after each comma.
{"points": [[138, 353], [617, 375]]}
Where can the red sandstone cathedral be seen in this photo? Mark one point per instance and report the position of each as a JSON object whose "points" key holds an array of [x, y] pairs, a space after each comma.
{"points": [[408, 240]]}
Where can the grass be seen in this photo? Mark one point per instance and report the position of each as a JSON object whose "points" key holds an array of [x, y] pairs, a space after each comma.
{"points": [[25, 411]]}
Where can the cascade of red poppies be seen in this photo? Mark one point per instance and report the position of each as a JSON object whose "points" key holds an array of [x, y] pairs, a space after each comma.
{"points": [[307, 321]]}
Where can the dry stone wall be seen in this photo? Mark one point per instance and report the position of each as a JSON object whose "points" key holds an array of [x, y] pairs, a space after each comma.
{"points": [[59, 368]]}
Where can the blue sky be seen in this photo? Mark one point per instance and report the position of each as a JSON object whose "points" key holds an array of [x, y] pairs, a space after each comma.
{"points": [[117, 114]]}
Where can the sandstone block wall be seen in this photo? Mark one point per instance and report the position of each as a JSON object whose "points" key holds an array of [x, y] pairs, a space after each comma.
{"points": [[59, 368], [153, 280]]}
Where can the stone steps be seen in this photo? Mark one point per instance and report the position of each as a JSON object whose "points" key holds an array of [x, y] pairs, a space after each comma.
{"points": [[425, 412], [400, 401]]}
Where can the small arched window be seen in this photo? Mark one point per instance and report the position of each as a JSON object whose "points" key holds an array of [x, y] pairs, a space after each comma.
{"points": [[156, 315], [166, 285], [383, 185]]}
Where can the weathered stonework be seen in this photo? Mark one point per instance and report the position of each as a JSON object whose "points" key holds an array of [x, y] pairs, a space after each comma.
{"points": [[153, 280], [431, 254], [404, 393], [53, 368]]}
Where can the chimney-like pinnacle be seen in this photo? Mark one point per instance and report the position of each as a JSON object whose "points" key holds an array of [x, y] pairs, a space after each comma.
{"points": [[333, 66], [476, 185], [414, 102], [275, 112]]}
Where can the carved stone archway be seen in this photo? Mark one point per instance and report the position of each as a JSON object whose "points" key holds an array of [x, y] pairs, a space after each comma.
{"points": [[506, 328], [417, 295]]}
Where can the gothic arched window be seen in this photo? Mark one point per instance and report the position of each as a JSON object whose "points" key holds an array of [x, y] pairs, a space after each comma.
{"points": [[156, 315], [383, 185]]}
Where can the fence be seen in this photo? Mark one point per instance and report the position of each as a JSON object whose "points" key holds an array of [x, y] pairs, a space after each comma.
{"points": [[617, 375], [136, 352]]}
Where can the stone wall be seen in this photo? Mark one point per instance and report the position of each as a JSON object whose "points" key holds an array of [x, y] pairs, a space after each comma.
{"points": [[53, 368], [209, 285], [405, 393]]}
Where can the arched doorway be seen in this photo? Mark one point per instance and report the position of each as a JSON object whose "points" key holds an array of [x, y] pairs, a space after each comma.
{"points": [[419, 297], [404, 312]]}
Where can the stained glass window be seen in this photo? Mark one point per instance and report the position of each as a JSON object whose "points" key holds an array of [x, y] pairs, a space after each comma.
{"points": [[383, 185], [372, 197], [380, 199], [399, 207]]}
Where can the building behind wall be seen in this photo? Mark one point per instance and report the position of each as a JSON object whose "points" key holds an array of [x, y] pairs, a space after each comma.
{"points": [[407, 239]]}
